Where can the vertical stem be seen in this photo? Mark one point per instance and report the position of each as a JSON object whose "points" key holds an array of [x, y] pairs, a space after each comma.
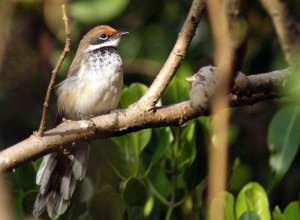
{"points": [[54, 72], [224, 58], [174, 152], [5, 201]]}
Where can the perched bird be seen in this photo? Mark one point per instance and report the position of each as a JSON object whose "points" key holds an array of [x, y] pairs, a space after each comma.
{"points": [[92, 87]]}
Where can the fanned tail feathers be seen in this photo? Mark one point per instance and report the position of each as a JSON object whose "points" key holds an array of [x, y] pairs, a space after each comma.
{"points": [[57, 177]]}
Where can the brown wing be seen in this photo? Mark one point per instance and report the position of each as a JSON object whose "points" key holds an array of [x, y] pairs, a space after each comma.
{"points": [[74, 68]]}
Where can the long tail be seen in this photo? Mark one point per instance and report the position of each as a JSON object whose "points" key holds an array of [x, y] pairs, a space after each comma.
{"points": [[57, 177]]}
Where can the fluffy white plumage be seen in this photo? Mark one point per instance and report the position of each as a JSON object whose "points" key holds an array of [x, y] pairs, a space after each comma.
{"points": [[95, 89]]}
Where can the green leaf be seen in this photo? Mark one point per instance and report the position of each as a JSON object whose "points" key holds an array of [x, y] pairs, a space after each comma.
{"points": [[134, 192], [97, 11], [132, 94], [228, 206], [178, 90], [86, 190], [133, 143], [186, 147], [292, 211], [160, 182], [164, 138], [253, 198], [248, 215], [149, 206], [27, 201], [26, 177], [241, 173], [283, 140], [277, 215]]}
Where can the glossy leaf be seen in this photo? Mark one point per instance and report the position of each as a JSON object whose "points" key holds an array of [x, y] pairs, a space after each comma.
{"points": [[253, 198], [283, 140], [133, 143], [292, 211], [132, 94], [148, 206], [249, 215], [277, 215]]}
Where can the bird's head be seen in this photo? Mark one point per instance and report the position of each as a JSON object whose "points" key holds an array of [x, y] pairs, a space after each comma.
{"points": [[101, 36]]}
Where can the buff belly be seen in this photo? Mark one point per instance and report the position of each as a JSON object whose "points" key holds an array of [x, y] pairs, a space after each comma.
{"points": [[94, 90]]}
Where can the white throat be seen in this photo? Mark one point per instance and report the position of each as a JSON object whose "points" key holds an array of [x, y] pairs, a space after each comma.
{"points": [[111, 43]]}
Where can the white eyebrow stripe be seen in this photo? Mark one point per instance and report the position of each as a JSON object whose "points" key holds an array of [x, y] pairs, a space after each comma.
{"points": [[111, 43]]}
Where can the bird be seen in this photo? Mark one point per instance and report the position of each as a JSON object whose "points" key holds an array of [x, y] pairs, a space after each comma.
{"points": [[93, 87]]}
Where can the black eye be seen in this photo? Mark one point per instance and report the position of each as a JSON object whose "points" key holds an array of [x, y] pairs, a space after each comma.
{"points": [[103, 36]]}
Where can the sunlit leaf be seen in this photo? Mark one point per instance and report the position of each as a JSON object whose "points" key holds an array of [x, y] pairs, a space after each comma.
{"points": [[149, 206], [132, 94], [253, 198], [277, 215], [284, 139]]}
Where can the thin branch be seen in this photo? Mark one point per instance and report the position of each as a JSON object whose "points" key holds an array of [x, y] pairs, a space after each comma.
{"points": [[175, 58], [118, 123], [238, 101], [227, 44], [261, 83], [6, 209], [55, 71], [287, 29]]}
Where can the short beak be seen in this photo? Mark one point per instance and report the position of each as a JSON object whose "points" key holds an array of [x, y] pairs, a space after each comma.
{"points": [[121, 33]]}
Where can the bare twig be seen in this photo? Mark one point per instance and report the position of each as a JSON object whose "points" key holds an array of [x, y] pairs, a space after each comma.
{"points": [[55, 71], [122, 122], [6, 210], [287, 29], [179, 51], [226, 47], [264, 82]]}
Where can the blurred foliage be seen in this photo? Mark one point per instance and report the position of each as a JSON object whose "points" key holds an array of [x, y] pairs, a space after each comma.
{"points": [[155, 173]]}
